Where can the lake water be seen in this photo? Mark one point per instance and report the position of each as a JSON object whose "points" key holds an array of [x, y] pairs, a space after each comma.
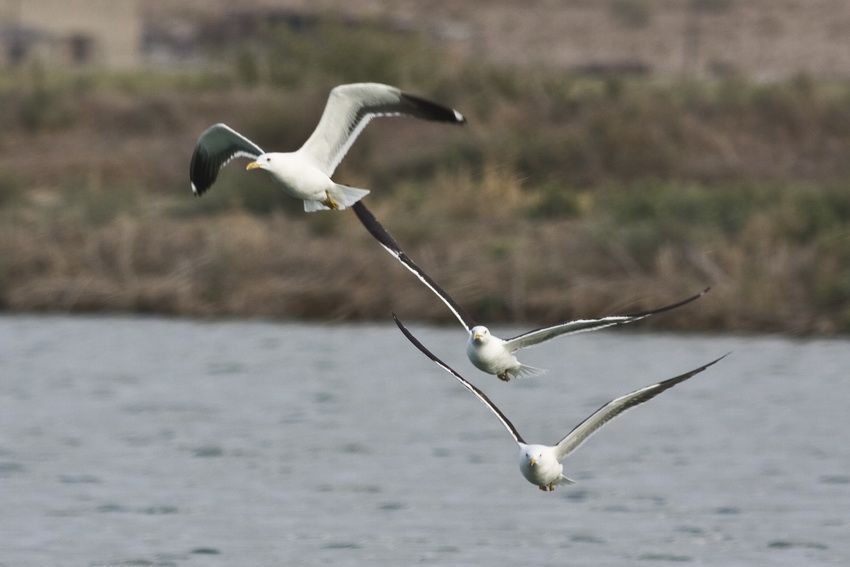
{"points": [[157, 442]]}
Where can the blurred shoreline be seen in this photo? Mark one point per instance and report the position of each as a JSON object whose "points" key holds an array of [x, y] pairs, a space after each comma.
{"points": [[566, 196]]}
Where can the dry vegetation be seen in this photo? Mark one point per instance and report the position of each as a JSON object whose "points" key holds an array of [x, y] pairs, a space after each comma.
{"points": [[565, 196]]}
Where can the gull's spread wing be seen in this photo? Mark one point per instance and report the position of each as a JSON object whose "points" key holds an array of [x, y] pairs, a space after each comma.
{"points": [[216, 147], [350, 108], [615, 407], [585, 325], [390, 245], [475, 391]]}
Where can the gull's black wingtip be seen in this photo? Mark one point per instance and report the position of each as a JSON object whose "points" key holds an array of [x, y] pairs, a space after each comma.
{"points": [[409, 336], [433, 111], [202, 169], [199, 185], [401, 326], [669, 307], [715, 361], [375, 228]]}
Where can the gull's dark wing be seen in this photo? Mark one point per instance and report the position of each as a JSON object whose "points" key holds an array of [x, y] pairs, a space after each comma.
{"points": [[584, 325], [215, 148], [615, 407], [350, 108], [476, 392], [390, 245]]}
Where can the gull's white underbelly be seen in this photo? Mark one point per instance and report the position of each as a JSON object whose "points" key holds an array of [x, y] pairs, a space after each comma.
{"points": [[300, 178], [547, 471], [491, 357]]}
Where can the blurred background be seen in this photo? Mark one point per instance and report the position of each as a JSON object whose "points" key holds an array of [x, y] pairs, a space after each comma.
{"points": [[619, 154]]}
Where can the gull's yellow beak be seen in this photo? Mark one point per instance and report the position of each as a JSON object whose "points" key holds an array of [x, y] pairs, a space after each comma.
{"points": [[477, 336], [532, 461], [252, 165]]}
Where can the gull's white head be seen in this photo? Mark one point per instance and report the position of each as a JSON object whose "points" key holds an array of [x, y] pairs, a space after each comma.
{"points": [[480, 334], [265, 161], [533, 455], [539, 465]]}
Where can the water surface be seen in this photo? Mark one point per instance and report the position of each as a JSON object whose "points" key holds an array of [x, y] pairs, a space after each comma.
{"points": [[157, 442]]}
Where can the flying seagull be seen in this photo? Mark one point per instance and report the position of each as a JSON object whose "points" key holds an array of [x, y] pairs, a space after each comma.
{"points": [[486, 351], [306, 173], [541, 464]]}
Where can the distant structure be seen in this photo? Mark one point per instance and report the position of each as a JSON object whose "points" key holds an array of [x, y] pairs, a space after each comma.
{"points": [[71, 33], [765, 40]]}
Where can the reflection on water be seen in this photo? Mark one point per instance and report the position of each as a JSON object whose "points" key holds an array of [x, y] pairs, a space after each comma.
{"points": [[151, 442]]}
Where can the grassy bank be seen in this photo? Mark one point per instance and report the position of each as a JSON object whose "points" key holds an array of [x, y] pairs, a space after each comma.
{"points": [[565, 196]]}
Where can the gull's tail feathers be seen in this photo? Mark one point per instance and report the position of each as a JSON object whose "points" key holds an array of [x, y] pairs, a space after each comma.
{"points": [[526, 371], [313, 206], [566, 480], [346, 196], [340, 196]]}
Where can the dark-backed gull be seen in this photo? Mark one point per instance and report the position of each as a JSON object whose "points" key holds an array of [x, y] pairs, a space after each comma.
{"points": [[306, 173]]}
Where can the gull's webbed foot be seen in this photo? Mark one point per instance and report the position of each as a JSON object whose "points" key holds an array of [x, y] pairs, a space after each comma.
{"points": [[504, 376], [330, 203]]}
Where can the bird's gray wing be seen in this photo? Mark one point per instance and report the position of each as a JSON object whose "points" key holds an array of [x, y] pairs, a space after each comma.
{"points": [[350, 108], [615, 407], [585, 325], [476, 392], [368, 220], [216, 147]]}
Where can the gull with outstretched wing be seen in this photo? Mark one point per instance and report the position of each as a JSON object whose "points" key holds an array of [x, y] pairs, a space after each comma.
{"points": [[486, 351], [541, 464], [306, 173]]}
